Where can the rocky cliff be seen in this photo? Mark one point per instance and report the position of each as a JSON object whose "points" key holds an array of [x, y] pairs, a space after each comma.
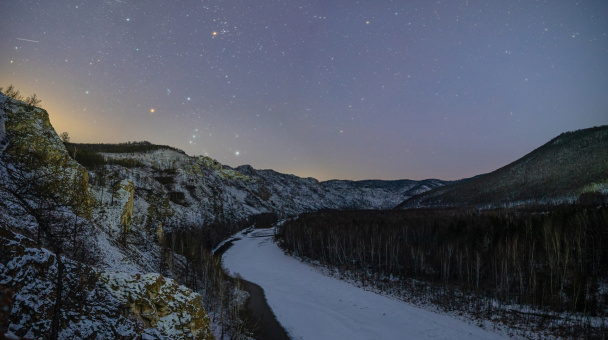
{"points": [[28, 140], [47, 230], [98, 304], [200, 190]]}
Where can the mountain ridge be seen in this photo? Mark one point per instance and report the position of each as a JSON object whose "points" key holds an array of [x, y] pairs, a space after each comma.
{"points": [[571, 164]]}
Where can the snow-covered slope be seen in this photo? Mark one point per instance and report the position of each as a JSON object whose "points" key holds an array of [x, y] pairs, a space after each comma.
{"points": [[313, 306], [202, 190], [96, 304], [309, 194], [50, 228]]}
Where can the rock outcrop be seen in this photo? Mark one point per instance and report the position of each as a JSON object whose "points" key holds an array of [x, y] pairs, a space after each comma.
{"points": [[202, 190], [94, 300], [161, 303], [45, 192], [29, 140]]}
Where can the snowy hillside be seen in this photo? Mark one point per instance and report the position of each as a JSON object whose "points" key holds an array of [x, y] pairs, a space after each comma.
{"points": [[201, 190], [61, 268]]}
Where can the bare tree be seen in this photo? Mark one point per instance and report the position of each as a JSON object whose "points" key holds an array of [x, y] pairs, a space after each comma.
{"points": [[11, 92], [33, 100], [65, 137], [31, 190]]}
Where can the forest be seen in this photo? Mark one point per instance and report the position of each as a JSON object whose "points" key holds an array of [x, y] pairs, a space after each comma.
{"points": [[200, 269], [552, 259], [90, 155]]}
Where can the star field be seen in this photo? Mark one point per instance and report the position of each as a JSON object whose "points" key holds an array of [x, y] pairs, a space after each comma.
{"points": [[328, 89]]}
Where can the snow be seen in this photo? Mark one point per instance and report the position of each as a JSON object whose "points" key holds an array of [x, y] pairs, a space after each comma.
{"points": [[311, 305]]}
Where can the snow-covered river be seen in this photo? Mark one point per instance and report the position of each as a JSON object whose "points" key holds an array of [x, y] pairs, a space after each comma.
{"points": [[311, 305]]}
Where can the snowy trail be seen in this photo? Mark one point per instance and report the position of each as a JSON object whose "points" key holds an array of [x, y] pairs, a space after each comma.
{"points": [[310, 305]]}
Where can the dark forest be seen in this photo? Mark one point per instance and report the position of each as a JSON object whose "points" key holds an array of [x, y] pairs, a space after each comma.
{"points": [[552, 259]]}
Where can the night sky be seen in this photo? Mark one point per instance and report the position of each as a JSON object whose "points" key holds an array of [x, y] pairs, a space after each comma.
{"points": [[327, 89]]}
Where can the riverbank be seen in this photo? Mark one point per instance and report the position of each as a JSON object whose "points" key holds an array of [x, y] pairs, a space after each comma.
{"points": [[259, 313]]}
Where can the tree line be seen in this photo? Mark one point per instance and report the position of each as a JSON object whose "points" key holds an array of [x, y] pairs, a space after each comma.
{"points": [[202, 271], [56, 205], [95, 160], [127, 147], [11, 92], [552, 259]]}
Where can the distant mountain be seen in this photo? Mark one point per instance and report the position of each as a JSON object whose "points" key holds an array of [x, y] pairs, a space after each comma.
{"points": [[202, 190], [561, 170], [295, 195]]}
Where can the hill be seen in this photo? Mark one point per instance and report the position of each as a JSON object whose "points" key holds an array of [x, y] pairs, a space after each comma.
{"points": [[201, 189], [569, 165], [62, 273]]}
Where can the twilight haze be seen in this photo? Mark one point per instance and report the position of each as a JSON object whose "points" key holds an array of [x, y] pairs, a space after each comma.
{"points": [[329, 89]]}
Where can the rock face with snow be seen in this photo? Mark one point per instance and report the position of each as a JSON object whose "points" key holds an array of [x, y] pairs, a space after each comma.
{"points": [[45, 195], [30, 273], [161, 303], [27, 137], [94, 300], [202, 190]]}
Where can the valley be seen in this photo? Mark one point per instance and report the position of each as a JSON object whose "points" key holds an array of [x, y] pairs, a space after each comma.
{"points": [[518, 251]]}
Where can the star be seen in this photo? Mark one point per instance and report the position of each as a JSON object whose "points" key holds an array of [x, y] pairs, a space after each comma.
{"points": [[310, 74]]}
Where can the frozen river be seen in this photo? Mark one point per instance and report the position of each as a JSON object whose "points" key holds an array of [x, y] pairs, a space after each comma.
{"points": [[311, 305]]}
